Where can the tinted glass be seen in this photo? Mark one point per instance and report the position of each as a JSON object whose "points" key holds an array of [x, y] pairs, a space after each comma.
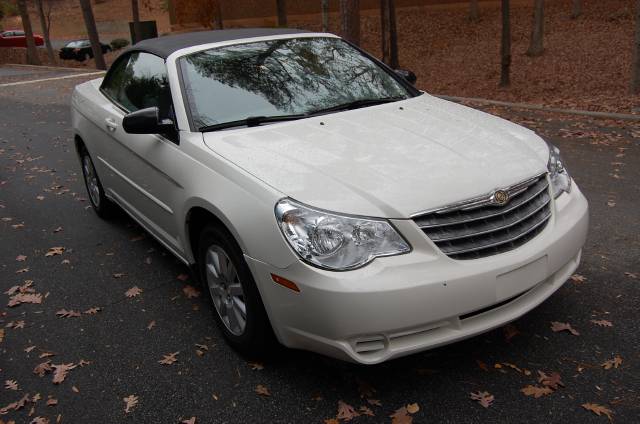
{"points": [[139, 82], [280, 77]]}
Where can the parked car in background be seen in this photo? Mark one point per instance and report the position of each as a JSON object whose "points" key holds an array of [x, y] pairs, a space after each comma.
{"points": [[80, 50], [16, 38], [322, 199]]}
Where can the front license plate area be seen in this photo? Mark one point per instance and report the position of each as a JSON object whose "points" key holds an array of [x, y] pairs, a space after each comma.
{"points": [[521, 279]]}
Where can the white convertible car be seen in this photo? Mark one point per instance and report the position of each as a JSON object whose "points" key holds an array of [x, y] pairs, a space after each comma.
{"points": [[325, 202]]}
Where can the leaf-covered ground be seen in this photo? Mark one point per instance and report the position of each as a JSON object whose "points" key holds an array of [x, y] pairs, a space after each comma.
{"points": [[98, 323], [586, 63]]}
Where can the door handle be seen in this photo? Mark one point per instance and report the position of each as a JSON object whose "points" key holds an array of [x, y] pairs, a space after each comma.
{"points": [[111, 124]]}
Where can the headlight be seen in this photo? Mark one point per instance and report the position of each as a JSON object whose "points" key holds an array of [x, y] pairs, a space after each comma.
{"points": [[336, 242], [560, 178]]}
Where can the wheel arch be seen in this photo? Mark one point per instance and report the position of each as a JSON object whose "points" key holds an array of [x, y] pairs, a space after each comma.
{"points": [[200, 214]]}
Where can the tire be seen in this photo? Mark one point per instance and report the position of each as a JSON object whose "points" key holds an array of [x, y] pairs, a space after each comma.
{"points": [[104, 207], [256, 338]]}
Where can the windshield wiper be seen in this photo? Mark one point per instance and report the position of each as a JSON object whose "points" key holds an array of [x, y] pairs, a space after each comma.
{"points": [[357, 104], [252, 121]]}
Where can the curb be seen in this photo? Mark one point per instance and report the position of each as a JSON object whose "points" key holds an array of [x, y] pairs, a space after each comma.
{"points": [[602, 115], [53, 68]]}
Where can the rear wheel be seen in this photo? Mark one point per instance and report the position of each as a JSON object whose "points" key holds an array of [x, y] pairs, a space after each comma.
{"points": [[103, 206], [239, 311]]}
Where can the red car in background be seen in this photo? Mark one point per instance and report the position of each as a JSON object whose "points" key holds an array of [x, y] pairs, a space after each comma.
{"points": [[16, 38]]}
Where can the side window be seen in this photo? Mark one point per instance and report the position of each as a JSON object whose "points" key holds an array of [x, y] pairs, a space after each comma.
{"points": [[139, 82]]}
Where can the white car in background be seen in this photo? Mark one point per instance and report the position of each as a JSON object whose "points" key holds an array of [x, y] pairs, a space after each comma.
{"points": [[325, 202]]}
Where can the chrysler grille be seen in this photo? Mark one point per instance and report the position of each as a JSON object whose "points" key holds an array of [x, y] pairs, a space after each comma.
{"points": [[478, 227]]}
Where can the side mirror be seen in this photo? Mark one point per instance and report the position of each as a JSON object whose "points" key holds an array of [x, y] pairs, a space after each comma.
{"points": [[147, 121], [407, 75]]}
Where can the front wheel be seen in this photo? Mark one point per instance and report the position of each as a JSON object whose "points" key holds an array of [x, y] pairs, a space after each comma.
{"points": [[239, 311]]}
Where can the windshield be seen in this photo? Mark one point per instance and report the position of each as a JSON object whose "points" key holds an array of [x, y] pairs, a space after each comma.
{"points": [[281, 77]]}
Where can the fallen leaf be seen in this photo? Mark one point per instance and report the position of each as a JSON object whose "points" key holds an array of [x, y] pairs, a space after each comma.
{"points": [[598, 409], [21, 258], [93, 311], [83, 363], [41, 369], [57, 230], [552, 380], [401, 416], [578, 279], [563, 326], [262, 390], [510, 331], [374, 402], [19, 298], [191, 420], [631, 275], [482, 365], [331, 421], [63, 313], [256, 366], [133, 291], [119, 275], [1, 334], [602, 323], [346, 412], [169, 359], [536, 391], [53, 251], [16, 324], [190, 291], [612, 363], [11, 385], [30, 348], [75, 389], [413, 408], [52, 401], [60, 372], [483, 398], [130, 402], [39, 420], [151, 325], [364, 410]]}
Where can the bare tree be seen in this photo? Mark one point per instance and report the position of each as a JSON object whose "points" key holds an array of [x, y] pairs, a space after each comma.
{"points": [[577, 9], [536, 44], [350, 20], [635, 77], [135, 15], [32, 53], [281, 8], [474, 11], [325, 15], [218, 16], [389, 32], [92, 31], [505, 49], [45, 23]]}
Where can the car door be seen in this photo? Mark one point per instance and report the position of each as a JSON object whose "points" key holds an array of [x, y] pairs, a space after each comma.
{"points": [[141, 176]]}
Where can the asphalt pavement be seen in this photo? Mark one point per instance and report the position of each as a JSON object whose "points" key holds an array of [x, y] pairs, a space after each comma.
{"points": [[116, 350]]}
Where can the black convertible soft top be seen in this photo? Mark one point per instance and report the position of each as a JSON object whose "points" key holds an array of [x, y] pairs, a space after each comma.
{"points": [[164, 46]]}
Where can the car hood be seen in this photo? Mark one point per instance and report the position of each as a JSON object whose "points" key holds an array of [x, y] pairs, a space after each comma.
{"points": [[391, 160]]}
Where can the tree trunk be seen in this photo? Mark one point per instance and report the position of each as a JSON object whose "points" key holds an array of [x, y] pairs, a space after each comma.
{"points": [[325, 15], [474, 11], [135, 17], [350, 20], [384, 30], [577, 9], [281, 6], [92, 31], [32, 53], [635, 77], [536, 45], [218, 16], [45, 31], [393, 36], [505, 49]]}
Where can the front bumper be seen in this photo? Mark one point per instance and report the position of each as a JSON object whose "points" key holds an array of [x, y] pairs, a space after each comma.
{"points": [[408, 303]]}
